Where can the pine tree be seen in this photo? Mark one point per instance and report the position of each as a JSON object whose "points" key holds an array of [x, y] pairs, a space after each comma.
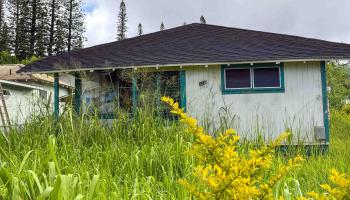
{"points": [[33, 27], [60, 33], [14, 15], [202, 20], [5, 38], [19, 20], [162, 27], [53, 16], [23, 30], [2, 13], [74, 17], [42, 30], [140, 29], [122, 19]]}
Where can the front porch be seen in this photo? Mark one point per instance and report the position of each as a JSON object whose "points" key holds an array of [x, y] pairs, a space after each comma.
{"points": [[104, 92]]}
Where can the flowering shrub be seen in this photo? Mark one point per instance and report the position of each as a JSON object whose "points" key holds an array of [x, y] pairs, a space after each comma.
{"points": [[340, 191], [225, 171]]}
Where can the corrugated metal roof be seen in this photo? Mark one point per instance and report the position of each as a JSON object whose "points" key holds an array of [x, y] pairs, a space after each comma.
{"points": [[193, 44]]}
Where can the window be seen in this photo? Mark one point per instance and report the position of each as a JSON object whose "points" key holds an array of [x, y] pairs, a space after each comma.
{"points": [[267, 77], [237, 78], [43, 94], [256, 78]]}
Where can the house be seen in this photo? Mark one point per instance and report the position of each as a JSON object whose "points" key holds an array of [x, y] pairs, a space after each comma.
{"points": [[27, 95], [257, 82]]}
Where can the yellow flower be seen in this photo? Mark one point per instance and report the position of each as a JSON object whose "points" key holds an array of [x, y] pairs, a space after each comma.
{"points": [[225, 172]]}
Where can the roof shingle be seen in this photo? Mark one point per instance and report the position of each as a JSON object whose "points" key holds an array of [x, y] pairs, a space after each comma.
{"points": [[194, 43]]}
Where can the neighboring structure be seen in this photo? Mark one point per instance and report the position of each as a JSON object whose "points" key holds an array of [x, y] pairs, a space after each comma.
{"points": [[27, 95], [256, 82]]}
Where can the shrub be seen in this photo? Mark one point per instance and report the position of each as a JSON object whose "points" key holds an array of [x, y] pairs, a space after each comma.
{"points": [[226, 171]]}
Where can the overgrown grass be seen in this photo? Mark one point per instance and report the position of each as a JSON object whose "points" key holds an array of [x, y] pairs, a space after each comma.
{"points": [[140, 158], [315, 169]]}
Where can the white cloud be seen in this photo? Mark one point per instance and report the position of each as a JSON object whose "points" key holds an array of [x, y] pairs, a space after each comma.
{"points": [[321, 19], [100, 23]]}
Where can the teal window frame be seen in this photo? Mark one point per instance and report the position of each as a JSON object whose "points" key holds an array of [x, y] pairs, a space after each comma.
{"points": [[252, 90]]}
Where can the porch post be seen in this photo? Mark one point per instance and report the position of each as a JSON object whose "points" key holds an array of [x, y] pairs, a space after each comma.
{"points": [[56, 99], [134, 94], [325, 100], [158, 92], [77, 93], [183, 89]]}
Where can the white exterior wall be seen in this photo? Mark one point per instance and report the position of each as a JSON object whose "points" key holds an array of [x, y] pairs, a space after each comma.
{"points": [[299, 108], [23, 103]]}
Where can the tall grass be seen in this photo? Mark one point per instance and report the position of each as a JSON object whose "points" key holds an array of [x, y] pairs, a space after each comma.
{"points": [[129, 158], [315, 169], [134, 158]]}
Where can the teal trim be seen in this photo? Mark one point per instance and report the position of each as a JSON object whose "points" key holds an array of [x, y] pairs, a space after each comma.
{"points": [[325, 100], [77, 93], [107, 116], [253, 90], [56, 90], [134, 94], [158, 89], [183, 89]]}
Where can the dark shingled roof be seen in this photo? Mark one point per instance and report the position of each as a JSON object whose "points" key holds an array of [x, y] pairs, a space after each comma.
{"points": [[194, 44]]}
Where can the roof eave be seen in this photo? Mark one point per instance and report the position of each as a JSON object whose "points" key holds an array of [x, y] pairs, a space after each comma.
{"points": [[178, 64]]}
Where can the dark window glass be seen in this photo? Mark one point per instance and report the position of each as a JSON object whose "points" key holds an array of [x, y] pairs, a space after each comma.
{"points": [[238, 78], [266, 77]]}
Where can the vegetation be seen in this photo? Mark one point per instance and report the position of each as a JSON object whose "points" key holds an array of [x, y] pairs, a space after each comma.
{"points": [[122, 20], [142, 158], [40, 27], [202, 20], [139, 29], [6, 58], [339, 83], [162, 27]]}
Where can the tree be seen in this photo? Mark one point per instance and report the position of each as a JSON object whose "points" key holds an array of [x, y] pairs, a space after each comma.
{"points": [[122, 20], [162, 27], [19, 20], [2, 13], [202, 20], [140, 29], [53, 16], [34, 5], [339, 83], [74, 17], [42, 30], [5, 38], [60, 36]]}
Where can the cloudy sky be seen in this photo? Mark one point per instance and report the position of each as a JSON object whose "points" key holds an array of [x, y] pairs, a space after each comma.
{"points": [[322, 19]]}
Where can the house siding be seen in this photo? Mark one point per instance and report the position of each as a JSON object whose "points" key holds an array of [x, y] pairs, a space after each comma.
{"points": [[24, 103], [259, 115]]}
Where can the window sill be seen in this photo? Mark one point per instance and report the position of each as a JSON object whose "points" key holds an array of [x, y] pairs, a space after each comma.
{"points": [[253, 91]]}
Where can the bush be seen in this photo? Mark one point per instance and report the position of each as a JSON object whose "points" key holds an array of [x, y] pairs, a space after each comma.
{"points": [[346, 109]]}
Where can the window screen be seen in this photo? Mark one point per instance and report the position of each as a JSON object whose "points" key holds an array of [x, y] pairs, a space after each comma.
{"points": [[237, 78], [266, 77]]}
